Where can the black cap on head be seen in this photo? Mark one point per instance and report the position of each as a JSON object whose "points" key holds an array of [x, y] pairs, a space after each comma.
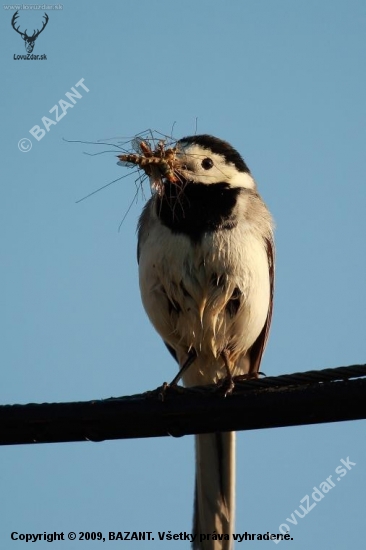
{"points": [[220, 147]]}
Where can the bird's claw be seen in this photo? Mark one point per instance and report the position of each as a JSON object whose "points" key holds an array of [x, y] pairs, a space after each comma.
{"points": [[172, 387], [163, 390], [226, 385]]}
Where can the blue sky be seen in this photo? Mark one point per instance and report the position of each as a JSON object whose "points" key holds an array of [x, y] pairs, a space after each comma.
{"points": [[284, 82]]}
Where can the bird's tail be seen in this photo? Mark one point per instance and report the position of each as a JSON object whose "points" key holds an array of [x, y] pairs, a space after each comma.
{"points": [[214, 508]]}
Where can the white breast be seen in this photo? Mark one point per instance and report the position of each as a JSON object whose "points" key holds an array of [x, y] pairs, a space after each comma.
{"points": [[186, 289]]}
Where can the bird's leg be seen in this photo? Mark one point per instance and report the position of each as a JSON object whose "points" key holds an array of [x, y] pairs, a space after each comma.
{"points": [[192, 354], [228, 382]]}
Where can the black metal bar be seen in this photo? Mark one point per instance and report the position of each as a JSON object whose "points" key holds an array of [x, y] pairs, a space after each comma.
{"points": [[255, 404]]}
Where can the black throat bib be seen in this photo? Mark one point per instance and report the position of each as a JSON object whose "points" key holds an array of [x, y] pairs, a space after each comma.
{"points": [[197, 208]]}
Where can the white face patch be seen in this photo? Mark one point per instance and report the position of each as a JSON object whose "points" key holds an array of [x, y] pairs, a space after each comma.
{"points": [[194, 157]]}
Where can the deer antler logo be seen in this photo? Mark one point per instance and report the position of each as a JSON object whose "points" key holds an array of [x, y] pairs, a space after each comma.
{"points": [[29, 41]]}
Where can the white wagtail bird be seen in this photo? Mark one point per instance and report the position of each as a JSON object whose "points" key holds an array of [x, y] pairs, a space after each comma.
{"points": [[206, 268]]}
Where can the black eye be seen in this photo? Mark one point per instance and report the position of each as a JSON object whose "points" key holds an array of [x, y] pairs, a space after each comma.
{"points": [[207, 163]]}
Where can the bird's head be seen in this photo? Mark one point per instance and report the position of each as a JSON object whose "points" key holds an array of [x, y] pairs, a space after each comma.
{"points": [[208, 160]]}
